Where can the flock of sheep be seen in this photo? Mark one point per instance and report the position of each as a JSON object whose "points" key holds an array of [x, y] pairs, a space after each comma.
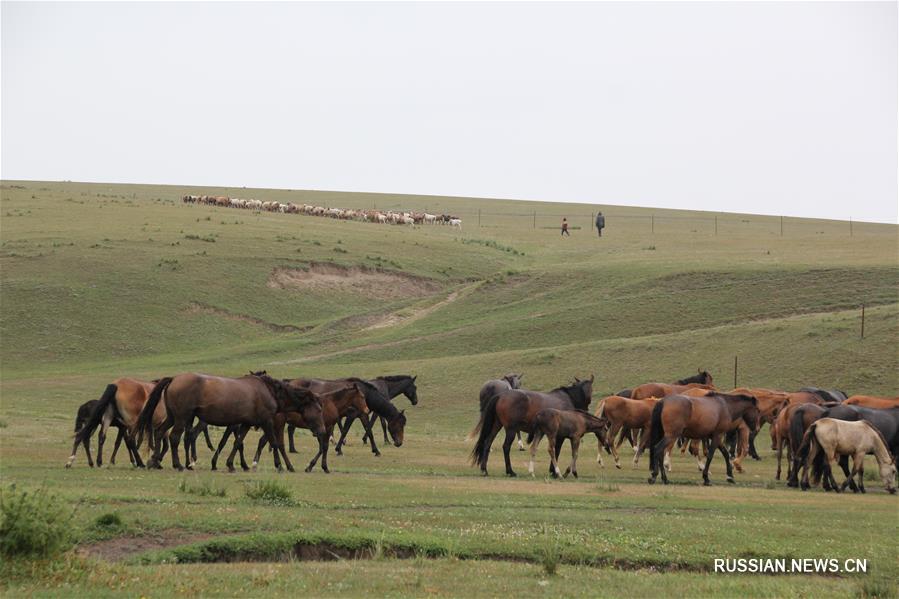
{"points": [[373, 216]]}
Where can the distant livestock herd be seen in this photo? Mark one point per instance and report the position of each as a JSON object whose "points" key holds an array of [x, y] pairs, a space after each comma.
{"points": [[372, 216]]}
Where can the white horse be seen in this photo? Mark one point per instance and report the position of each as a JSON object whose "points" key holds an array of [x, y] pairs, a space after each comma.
{"points": [[828, 437], [456, 222]]}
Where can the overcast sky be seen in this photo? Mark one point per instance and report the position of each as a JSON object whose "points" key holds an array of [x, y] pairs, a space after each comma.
{"points": [[781, 108]]}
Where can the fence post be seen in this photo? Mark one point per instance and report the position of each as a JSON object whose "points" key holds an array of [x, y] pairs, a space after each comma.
{"points": [[863, 321], [479, 217], [716, 224], [735, 372], [781, 226], [592, 220], [535, 219], [850, 226], [652, 222]]}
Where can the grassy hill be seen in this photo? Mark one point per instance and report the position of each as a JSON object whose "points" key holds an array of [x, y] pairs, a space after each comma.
{"points": [[104, 280]]}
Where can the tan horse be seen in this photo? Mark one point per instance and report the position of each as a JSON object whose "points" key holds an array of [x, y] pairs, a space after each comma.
{"points": [[558, 425], [123, 398], [871, 401], [623, 413], [829, 437]]}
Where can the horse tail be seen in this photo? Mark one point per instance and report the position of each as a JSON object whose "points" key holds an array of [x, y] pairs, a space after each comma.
{"points": [[797, 436], [96, 416], [602, 407], [145, 420], [810, 445], [656, 433], [485, 401], [485, 428]]}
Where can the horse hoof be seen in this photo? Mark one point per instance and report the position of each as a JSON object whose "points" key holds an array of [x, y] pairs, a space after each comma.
{"points": [[326, 471], [231, 470], [308, 469], [377, 454], [731, 480], [651, 480], [619, 466], [68, 465], [706, 483], [511, 474]]}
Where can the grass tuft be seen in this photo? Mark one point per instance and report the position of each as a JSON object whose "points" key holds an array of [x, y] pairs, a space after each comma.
{"points": [[270, 492], [33, 524]]}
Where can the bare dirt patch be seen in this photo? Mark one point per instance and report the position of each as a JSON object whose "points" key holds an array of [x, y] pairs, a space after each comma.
{"points": [[372, 282], [121, 548], [199, 308]]}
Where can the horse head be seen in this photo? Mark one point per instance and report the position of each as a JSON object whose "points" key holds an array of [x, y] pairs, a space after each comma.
{"points": [[396, 426], [411, 392], [514, 380]]}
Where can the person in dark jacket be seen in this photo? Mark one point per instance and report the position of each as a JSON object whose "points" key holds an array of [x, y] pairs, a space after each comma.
{"points": [[600, 223], [565, 227]]}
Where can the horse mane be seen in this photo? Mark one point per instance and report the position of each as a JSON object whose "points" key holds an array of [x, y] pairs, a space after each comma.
{"points": [[567, 389], [699, 377], [375, 399], [883, 440], [395, 377]]}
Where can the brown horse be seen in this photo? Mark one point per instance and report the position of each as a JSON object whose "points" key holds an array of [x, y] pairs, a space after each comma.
{"points": [[623, 413], [515, 410], [335, 404], [709, 417], [123, 399], [221, 401], [799, 418], [702, 377], [872, 401], [558, 425]]}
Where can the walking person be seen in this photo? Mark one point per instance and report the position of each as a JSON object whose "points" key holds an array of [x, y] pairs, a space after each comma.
{"points": [[565, 227], [600, 223]]}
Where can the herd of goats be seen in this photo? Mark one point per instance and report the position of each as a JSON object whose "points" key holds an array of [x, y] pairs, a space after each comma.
{"points": [[372, 216], [816, 427]]}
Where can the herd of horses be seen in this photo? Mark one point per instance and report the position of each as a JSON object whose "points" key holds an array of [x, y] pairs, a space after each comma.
{"points": [[373, 216], [166, 410], [817, 427]]}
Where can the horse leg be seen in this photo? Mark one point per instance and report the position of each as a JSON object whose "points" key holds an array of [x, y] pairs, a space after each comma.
{"points": [[716, 441], [742, 443], [657, 458], [856, 464], [844, 464], [174, 440], [323, 448], [209, 444], [291, 429], [614, 446], [387, 440], [507, 445], [488, 442], [371, 436], [268, 431], [520, 444], [552, 441], [752, 451], [348, 422], [133, 453], [727, 464], [323, 445], [101, 435], [780, 451], [115, 447], [534, 443], [575, 445], [694, 451], [263, 441], [222, 443], [239, 432]]}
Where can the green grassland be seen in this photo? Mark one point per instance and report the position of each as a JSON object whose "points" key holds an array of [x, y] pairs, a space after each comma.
{"points": [[102, 280]]}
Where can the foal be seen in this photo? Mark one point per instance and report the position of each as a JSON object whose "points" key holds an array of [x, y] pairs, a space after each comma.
{"points": [[558, 425]]}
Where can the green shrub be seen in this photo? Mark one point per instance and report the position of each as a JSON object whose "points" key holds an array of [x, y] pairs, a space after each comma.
{"points": [[33, 524], [269, 491], [109, 521], [204, 489]]}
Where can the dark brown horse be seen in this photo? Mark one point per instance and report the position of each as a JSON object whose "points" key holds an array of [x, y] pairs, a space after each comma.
{"points": [[558, 425], [493, 387], [515, 410], [709, 417], [388, 387], [702, 377], [335, 404], [84, 413], [221, 401]]}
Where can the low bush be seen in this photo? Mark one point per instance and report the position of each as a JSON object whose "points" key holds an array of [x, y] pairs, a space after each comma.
{"points": [[33, 524]]}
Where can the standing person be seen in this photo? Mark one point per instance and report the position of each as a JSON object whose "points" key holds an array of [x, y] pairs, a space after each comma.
{"points": [[600, 223], [565, 227]]}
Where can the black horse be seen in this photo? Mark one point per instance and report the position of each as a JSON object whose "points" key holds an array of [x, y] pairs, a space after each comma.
{"points": [[380, 406], [84, 413], [827, 395]]}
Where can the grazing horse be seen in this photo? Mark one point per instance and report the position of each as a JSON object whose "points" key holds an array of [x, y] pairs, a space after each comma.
{"points": [[493, 387], [515, 410], [829, 437], [709, 417], [84, 413], [123, 399], [558, 425], [798, 418], [374, 399], [335, 404], [871, 401], [885, 421], [623, 413], [249, 400], [389, 386]]}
